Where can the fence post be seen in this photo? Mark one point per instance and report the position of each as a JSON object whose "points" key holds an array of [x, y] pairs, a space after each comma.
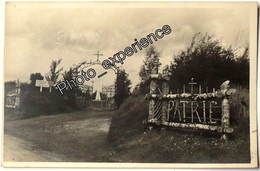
{"points": [[165, 91], [151, 103], [225, 120], [164, 111], [153, 85]]}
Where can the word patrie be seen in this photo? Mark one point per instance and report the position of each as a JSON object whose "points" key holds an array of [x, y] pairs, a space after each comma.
{"points": [[129, 51], [117, 58]]}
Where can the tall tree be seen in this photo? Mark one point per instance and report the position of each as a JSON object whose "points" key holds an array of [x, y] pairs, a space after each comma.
{"points": [[151, 55], [54, 73], [71, 94], [122, 87], [146, 68], [205, 60]]}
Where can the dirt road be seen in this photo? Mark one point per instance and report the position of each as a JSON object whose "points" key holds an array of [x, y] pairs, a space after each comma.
{"points": [[73, 137], [18, 150]]}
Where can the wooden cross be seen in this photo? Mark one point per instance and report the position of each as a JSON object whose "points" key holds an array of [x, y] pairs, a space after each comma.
{"points": [[191, 85], [98, 54]]}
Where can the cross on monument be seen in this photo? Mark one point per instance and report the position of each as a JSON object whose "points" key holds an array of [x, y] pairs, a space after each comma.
{"points": [[98, 54]]}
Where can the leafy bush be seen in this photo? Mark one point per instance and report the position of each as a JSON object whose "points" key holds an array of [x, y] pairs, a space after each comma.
{"points": [[239, 110], [209, 63], [36, 103]]}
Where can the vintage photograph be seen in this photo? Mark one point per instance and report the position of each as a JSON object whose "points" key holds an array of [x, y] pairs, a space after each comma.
{"points": [[130, 85]]}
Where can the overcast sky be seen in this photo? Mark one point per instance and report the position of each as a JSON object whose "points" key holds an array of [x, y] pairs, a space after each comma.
{"points": [[37, 33]]}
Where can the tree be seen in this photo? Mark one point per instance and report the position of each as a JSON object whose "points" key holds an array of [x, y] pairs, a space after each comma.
{"points": [[243, 68], [205, 60], [34, 77], [53, 74], [146, 68], [151, 55], [71, 94], [122, 87], [9, 85], [68, 75]]}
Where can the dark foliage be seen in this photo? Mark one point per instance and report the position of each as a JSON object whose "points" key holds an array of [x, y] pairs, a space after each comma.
{"points": [[10, 85], [70, 95], [209, 63], [68, 75], [35, 103], [34, 77], [93, 96], [43, 102], [54, 73], [122, 87], [145, 87]]}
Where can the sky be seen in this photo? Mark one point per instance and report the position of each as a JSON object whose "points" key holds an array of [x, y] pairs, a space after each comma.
{"points": [[37, 33]]}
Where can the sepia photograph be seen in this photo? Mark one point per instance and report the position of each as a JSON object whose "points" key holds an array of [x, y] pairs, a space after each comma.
{"points": [[130, 85]]}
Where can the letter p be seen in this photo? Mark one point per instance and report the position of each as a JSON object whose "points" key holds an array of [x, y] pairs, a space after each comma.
{"points": [[60, 89]]}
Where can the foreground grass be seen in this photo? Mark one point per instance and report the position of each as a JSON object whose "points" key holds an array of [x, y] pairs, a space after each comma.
{"points": [[133, 143], [175, 147]]}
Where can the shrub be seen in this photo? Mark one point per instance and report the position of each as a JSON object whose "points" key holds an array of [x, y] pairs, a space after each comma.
{"points": [[35, 103], [239, 110]]}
